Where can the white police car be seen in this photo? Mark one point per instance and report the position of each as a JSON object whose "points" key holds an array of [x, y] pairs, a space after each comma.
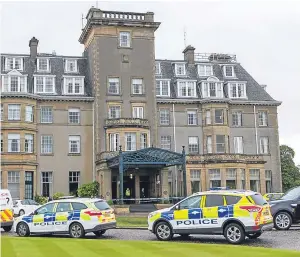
{"points": [[75, 217]]}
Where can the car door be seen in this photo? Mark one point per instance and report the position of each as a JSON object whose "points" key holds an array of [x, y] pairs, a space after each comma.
{"points": [[214, 211], [297, 209], [43, 219], [62, 212], [25, 206], [186, 214]]}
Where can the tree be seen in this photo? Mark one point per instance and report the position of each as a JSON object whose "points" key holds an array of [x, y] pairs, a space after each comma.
{"points": [[290, 172], [89, 190]]}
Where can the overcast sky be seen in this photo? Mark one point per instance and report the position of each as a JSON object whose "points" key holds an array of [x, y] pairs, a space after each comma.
{"points": [[263, 34]]}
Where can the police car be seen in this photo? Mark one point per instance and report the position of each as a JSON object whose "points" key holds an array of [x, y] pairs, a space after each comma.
{"points": [[232, 213], [75, 217]]}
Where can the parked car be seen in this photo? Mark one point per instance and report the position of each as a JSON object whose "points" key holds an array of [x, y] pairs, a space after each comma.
{"points": [[6, 210], [22, 207], [273, 196], [286, 210]]}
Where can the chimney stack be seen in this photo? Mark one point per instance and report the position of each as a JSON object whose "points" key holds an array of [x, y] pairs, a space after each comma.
{"points": [[189, 53], [33, 44]]}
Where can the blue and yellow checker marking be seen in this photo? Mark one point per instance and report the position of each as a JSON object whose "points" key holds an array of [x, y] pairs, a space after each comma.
{"points": [[49, 217]]}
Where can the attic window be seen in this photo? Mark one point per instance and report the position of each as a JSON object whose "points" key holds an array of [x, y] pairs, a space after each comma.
{"points": [[43, 64], [205, 70], [237, 90], [74, 85], [229, 71], [157, 68], [179, 69], [13, 63], [71, 65]]}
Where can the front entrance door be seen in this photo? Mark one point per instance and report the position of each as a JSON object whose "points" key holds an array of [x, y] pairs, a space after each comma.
{"points": [[144, 186], [129, 183], [28, 185]]}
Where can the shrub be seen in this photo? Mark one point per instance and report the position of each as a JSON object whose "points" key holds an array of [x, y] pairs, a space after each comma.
{"points": [[41, 199], [89, 190], [57, 195]]}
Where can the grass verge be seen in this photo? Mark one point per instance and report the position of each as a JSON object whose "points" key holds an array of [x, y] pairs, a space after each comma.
{"points": [[66, 247], [131, 221]]}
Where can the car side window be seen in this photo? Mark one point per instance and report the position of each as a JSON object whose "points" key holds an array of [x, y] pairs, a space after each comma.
{"points": [[190, 203], [214, 200], [232, 199], [45, 209], [78, 206], [24, 202], [63, 207], [31, 202]]}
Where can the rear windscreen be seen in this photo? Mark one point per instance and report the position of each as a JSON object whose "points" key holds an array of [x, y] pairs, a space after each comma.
{"points": [[102, 205], [258, 199]]}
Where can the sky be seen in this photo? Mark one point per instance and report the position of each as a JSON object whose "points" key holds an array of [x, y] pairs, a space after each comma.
{"points": [[263, 34]]}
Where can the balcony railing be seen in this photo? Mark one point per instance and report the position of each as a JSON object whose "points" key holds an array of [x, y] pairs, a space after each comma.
{"points": [[206, 57], [126, 122], [225, 158]]}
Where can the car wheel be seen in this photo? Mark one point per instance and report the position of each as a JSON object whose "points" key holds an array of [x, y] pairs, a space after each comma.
{"points": [[21, 212], [282, 221], [76, 230], [234, 233], [255, 235], [99, 233], [22, 229], [163, 231], [7, 228]]}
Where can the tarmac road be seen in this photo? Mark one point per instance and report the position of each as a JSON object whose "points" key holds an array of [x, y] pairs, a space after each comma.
{"points": [[272, 239]]}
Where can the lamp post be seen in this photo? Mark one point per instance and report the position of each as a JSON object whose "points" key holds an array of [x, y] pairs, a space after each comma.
{"points": [[121, 170], [184, 171]]}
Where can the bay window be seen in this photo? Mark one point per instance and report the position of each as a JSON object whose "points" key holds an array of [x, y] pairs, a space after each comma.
{"points": [[212, 89]]}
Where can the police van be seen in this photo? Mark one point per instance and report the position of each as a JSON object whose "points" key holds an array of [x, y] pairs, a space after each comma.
{"points": [[76, 217], [6, 210], [232, 213]]}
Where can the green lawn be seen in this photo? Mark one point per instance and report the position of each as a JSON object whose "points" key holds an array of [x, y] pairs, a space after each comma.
{"points": [[67, 247], [123, 221]]}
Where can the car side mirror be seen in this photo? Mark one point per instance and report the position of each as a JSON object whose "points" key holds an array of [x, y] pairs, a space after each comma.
{"points": [[177, 207]]}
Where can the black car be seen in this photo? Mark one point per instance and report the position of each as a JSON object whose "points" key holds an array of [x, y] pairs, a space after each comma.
{"points": [[286, 210]]}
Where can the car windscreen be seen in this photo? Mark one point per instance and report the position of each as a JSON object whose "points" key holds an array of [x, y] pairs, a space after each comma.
{"points": [[102, 205], [258, 199], [292, 194]]}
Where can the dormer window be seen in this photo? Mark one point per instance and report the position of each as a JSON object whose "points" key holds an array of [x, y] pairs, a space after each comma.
{"points": [[186, 88], [237, 90], [163, 87], [228, 71], [14, 63], [44, 84], [43, 65], [14, 84], [74, 85], [205, 70], [71, 65], [212, 89], [179, 69], [157, 68]]}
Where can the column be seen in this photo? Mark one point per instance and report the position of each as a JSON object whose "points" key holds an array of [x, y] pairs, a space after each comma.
{"points": [[164, 183], [4, 179], [188, 181], [137, 186], [247, 178], [203, 179], [262, 178], [22, 184], [223, 177], [238, 181], [207, 179]]}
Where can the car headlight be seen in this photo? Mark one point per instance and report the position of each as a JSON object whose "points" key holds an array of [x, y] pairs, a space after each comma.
{"points": [[151, 214]]}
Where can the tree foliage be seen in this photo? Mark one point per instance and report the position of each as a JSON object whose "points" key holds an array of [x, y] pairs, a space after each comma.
{"points": [[290, 172], [89, 190]]}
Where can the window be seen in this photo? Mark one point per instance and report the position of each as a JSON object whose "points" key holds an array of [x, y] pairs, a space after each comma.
{"points": [[237, 90], [12, 83], [209, 144], [254, 180], [114, 142], [186, 89], [219, 116], [28, 143], [190, 203], [114, 86], [165, 142], [130, 139], [214, 200], [48, 208], [114, 112], [43, 64], [193, 145], [13, 184], [29, 113], [220, 143], [157, 68], [179, 69], [74, 177], [2, 112], [231, 178], [231, 199], [238, 145], [44, 85], [74, 116], [74, 144], [205, 70], [264, 145], [14, 63], [74, 85], [162, 88], [124, 39], [13, 143], [164, 116], [268, 176], [47, 187], [195, 181], [212, 89], [71, 65], [1, 146], [46, 114], [237, 118], [208, 117], [14, 112], [262, 118], [46, 144], [138, 112], [192, 117], [102, 205], [137, 86], [229, 71], [143, 140], [215, 177], [63, 207], [29, 187], [78, 206]]}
